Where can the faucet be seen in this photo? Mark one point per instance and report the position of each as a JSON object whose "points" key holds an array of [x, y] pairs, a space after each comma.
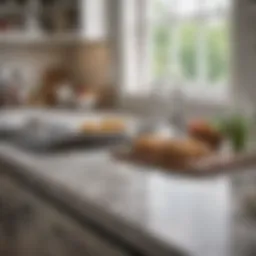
{"points": [[177, 118]]}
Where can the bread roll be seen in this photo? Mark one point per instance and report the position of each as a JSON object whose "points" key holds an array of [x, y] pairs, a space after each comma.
{"points": [[181, 153], [90, 127], [105, 126], [204, 132], [149, 148], [113, 125]]}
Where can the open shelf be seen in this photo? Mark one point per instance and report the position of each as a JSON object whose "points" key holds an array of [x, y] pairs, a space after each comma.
{"points": [[39, 21], [26, 38]]}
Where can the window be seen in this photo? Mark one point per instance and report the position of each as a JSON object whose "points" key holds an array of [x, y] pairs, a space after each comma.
{"points": [[191, 36]]}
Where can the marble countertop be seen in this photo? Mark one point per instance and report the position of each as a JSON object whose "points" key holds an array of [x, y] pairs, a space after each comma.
{"points": [[189, 213], [192, 214]]}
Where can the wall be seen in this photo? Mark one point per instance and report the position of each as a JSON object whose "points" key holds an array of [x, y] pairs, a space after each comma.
{"points": [[87, 61], [91, 64], [31, 60], [244, 59], [92, 68]]}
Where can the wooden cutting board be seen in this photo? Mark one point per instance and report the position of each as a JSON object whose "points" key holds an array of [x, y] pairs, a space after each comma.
{"points": [[218, 163]]}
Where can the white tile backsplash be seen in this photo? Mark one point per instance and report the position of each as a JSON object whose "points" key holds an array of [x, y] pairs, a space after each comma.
{"points": [[30, 60]]}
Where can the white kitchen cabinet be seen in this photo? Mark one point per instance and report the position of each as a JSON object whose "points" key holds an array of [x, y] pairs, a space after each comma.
{"points": [[53, 21], [32, 226]]}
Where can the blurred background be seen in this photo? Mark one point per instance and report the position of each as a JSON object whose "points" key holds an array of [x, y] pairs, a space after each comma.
{"points": [[93, 67], [125, 50], [121, 48]]}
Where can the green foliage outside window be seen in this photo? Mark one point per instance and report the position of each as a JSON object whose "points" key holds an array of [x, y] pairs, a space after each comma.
{"points": [[216, 45]]}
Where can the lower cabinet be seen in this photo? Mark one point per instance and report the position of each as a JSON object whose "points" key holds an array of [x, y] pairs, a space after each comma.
{"points": [[30, 226]]}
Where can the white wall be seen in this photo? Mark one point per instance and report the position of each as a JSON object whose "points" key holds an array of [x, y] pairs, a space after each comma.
{"points": [[31, 60], [244, 58]]}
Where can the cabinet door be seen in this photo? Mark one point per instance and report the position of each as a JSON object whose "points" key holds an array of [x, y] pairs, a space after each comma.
{"points": [[31, 226]]}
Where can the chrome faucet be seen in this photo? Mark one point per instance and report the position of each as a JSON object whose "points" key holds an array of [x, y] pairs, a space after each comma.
{"points": [[177, 117]]}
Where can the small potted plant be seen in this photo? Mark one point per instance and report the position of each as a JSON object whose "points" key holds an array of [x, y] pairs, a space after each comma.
{"points": [[235, 129]]}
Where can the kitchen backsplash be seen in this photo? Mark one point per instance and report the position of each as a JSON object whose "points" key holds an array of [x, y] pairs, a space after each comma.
{"points": [[91, 64], [86, 63], [31, 61]]}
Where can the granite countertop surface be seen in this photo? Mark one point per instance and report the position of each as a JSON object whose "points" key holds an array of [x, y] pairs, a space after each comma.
{"points": [[192, 214]]}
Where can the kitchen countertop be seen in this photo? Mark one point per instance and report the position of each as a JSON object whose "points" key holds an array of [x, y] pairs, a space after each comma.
{"points": [[192, 214]]}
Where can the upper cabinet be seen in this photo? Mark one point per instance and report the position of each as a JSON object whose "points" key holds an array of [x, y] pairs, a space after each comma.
{"points": [[52, 21], [94, 19]]}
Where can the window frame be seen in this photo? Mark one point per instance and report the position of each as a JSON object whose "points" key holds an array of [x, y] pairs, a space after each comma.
{"points": [[201, 17], [195, 93]]}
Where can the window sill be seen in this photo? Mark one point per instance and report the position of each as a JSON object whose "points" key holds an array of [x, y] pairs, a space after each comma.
{"points": [[209, 96], [199, 94], [214, 99]]}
